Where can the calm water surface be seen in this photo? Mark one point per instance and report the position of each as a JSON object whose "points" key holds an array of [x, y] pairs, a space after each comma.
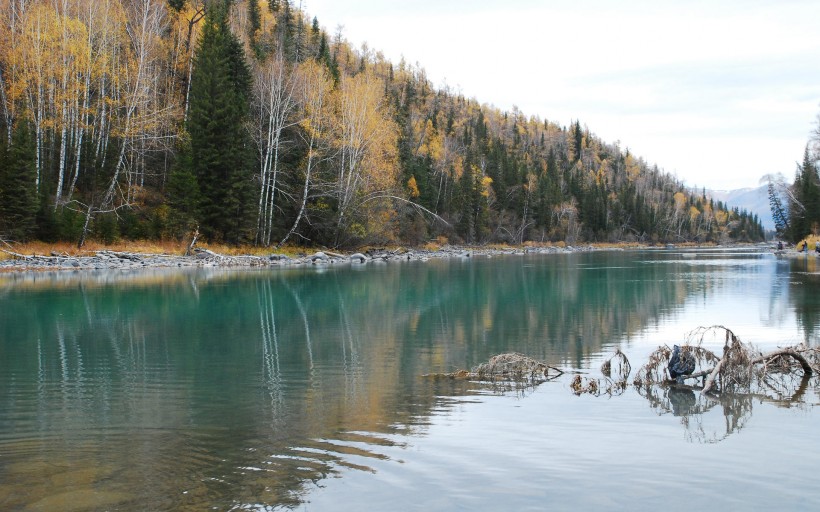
{"points": [[303, 389]]}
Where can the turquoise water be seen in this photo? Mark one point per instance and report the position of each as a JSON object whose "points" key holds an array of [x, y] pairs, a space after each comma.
{"points": [[304, 389]]}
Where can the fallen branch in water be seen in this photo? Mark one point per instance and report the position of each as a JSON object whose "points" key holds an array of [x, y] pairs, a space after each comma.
{"points": [[508, 368], [741, 369], [791, 352]]}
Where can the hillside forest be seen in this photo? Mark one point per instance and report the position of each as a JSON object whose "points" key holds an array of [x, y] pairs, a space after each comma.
{"points": [[796, 207], [247, 122]]}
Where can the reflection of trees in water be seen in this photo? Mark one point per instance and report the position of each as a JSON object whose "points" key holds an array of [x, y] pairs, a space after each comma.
{"points": [[804, 294], [778, 308], [330, 362], [270, 353]]}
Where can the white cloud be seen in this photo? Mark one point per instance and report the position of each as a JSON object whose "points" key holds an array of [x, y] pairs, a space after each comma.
{"points": [[718, 92]]}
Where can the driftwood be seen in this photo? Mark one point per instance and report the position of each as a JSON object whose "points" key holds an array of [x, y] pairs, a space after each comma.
{"points": [[37, 257], [736, 370], [511, 368], [741, 369], [794, 354], [190, 250], [207, 253]]}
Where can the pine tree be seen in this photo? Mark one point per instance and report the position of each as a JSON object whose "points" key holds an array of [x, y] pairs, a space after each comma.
{"points": [[220, 157], [176, 5], [779, 213], [18, 193], [183, 193], [804, 210], [254, 18]]}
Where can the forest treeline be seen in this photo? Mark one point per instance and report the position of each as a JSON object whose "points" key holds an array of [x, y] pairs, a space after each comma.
{"points": [[796, 207], [247, 122]]}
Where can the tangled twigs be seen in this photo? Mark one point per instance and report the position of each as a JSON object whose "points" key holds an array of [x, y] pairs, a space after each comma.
{"points": [[580, 386], [656, 368], [621, 366], [782, 353], [740, 370], [511, 367], [508, 368]]}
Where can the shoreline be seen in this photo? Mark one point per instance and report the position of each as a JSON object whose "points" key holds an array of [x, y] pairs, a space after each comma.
{"points": [[203, 258]]}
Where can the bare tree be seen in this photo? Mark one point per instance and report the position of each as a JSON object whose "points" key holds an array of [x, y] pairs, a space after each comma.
{"points": [[314, 95], [274, 107]]}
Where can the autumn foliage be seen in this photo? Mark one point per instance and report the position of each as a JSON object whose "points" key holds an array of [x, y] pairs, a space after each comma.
{"points": [[122, 120]]}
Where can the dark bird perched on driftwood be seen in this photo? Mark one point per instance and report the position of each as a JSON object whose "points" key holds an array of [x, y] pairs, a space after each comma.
{"points": [[680, 364]]}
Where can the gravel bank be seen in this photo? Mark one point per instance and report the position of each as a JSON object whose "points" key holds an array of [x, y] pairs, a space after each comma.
{"points": [[112, 260]]}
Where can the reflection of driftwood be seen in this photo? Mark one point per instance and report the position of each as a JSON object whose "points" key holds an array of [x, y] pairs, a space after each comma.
{"points": [[619, 363]]}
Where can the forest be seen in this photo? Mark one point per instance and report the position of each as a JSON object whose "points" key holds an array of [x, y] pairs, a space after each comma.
{"points": [[796, 206], [247, 122]]}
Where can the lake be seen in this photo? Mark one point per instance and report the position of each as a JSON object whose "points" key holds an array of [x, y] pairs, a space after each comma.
{"points": [[305, 388]]}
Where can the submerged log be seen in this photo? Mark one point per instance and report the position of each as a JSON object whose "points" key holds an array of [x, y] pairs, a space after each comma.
{"points": [[508, 368]]}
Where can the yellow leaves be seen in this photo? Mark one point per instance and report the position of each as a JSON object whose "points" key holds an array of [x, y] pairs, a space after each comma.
{"points": [[412, 187], [694, 213], [432, 144], [486, 181], [633, 168], [680, 201], [366, 134], [457, 169], [532, 183], [314, 90]]}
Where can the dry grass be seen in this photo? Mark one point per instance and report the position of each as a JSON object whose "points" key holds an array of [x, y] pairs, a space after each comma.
{"points": [[91, 247], [811, 240], [142, 247]]}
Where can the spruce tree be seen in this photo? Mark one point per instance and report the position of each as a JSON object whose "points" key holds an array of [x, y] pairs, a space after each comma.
{"points": [[220, 153], [18, 192], [804, 210], [254, 18], [183, 193], [176, 5], [779, 214]]}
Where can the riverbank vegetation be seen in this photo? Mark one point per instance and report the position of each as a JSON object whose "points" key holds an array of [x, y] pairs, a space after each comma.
{"points": [[248, 123], [796, 207]]}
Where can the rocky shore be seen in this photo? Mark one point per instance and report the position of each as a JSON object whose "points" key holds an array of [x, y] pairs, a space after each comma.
{"points": [[115, 260], [203, 258]]}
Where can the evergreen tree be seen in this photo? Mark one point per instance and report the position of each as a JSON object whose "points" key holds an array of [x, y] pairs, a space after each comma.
{"points": [[176, 5], [220, 157], [18, 193], [779, 213], [254, 18], [183, 193], [474, 190], [804, 210]]}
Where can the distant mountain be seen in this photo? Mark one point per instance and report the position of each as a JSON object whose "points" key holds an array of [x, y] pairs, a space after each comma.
{"points": [[753, 200]]}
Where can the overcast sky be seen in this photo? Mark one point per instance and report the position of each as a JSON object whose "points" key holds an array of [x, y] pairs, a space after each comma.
{"points": [[718, 93]]}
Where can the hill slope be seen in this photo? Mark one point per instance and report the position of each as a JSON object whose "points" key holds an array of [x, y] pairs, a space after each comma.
{"points": [[248, 123], [753, 200]]}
